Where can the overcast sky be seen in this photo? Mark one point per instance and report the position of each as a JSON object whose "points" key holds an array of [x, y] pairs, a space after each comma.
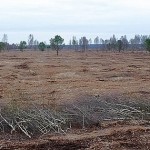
{"points": [[91, 18]]}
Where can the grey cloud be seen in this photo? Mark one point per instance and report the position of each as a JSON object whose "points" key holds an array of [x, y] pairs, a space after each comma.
{"points": [[84, 17]]}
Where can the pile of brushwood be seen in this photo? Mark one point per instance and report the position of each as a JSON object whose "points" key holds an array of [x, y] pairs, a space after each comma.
{"points": [[40, 120]]}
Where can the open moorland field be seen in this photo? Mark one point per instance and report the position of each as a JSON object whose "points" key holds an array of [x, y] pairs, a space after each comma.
{"points": [[46, 78], [28, 78]]}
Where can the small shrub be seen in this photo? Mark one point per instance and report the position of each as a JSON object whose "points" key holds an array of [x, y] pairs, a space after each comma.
{"points": [[22, 45], [147, 44], [41, 46]]}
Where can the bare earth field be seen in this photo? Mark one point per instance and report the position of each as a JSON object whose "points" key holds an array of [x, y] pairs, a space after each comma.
{"points": [[45, 79]]}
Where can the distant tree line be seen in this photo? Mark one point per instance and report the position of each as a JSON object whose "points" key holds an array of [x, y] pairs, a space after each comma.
{"points": [[138, 42]]}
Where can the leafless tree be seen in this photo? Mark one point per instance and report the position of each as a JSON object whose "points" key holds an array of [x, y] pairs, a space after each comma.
{"points": [[5, 41], [83, 43], [113, 42], [96, 42], [35, 43], [31, 41], [90, 41], [74, 42], [124, 41]]}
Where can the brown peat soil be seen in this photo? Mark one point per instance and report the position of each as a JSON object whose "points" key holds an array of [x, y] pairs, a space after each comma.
{"points": [[46, 79]]}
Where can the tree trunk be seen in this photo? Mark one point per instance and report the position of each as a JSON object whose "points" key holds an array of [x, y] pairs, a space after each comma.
{"points": [[57, 52]]}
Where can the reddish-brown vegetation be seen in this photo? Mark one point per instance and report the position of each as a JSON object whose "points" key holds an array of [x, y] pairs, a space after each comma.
{"points": [[49, 80]]}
